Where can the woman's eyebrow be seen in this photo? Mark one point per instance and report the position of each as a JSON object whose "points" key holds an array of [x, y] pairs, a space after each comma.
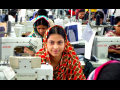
{"points": [[58, 41]]}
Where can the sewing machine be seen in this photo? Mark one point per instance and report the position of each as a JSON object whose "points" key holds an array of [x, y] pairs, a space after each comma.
{"points": [[7, 45], [27, 27], [28, 68], [100, 48]]}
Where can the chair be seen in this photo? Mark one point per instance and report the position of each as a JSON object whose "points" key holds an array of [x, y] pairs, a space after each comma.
{"points": [[2, 29]]}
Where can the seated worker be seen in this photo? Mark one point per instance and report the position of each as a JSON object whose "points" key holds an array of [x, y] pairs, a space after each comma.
{"points": [[11, 15], [106, 29], [40, 26], [81, 13], [58, 52], [116, 33], [107, 71], [105, 12]]}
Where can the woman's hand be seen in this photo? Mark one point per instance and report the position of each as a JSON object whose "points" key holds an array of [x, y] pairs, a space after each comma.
{"points": [[26, 50], [113, 51]]}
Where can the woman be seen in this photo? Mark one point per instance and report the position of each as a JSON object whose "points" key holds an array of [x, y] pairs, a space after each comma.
{"points": [[116, 33], [58, 52], [81, 13], [40, 26]]}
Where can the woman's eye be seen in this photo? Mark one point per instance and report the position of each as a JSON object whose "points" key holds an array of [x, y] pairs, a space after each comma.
{"points": [[59, 42], [51, 42]]}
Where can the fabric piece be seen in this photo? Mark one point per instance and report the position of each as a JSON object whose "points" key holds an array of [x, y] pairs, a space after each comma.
{"points": [[73, 33], [69, 67], [87, 33]]}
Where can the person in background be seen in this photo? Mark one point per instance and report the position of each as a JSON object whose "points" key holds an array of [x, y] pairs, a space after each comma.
{"points": [[105, 12], [40, 26], [11, 15], [92, 14], [107, 71], [106, 29], [116, 33], [81, 13], [58, 52]]}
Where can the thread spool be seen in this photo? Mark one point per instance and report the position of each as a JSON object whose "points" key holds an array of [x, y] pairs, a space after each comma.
{"points": [[85, 16], [6, 18], [98, 19], [16, 18], [112, 22], [8, 26], [76, 15], [21, 20]]}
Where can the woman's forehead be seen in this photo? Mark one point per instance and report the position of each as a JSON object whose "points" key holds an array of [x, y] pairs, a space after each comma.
{"points": [[55, 37]]}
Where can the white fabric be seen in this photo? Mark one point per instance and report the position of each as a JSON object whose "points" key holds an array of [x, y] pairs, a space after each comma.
{"points": [[10, 18]]}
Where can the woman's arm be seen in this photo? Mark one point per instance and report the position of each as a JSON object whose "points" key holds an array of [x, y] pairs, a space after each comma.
{"points": [[27, 50], [113, 51]]}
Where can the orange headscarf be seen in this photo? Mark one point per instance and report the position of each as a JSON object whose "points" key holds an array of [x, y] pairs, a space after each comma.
{"points": [[69, 67]]}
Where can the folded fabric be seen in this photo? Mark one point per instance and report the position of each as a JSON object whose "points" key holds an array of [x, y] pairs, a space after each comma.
{"points": [[87, 33]]}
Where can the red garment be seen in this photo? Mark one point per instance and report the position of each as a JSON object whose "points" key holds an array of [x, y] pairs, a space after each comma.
{"points": [[69, 67], [73, 12]]}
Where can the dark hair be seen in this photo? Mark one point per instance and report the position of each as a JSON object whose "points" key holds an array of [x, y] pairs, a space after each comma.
{"points": [[57, 30], [117, 19], [110, 72], [41, 22], [42, 12], [82, 10], [12, 12], [100, 13]]}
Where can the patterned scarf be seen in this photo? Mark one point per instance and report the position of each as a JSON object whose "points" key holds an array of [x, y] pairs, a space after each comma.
{"points": [[35, 33], [69, 67]]}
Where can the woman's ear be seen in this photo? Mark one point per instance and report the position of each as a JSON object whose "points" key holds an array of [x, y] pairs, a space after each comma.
{"points": [[65, 42], [114, 27]]}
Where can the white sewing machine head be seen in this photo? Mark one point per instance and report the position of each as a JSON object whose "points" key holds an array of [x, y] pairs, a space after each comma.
{"points": [[101, 44], [27, 27], [28, 68], [7, 45]]}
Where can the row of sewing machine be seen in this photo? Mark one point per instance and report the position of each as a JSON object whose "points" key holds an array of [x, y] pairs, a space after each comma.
{"points": [[8, 44]]}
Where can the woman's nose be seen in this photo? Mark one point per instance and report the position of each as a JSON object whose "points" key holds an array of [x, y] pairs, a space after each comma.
{"points": [[55, 46]]}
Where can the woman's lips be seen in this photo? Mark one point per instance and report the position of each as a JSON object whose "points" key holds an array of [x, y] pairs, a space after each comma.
{"points": [[55, 52]]}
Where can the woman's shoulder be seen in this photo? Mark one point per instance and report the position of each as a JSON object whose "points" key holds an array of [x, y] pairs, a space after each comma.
{"points": [[51, 22], [110, 33]]}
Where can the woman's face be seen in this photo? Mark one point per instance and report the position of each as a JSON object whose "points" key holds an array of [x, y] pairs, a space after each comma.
{"points": [[41, 29], [55, 44], [81, 15], [117, 28]]}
